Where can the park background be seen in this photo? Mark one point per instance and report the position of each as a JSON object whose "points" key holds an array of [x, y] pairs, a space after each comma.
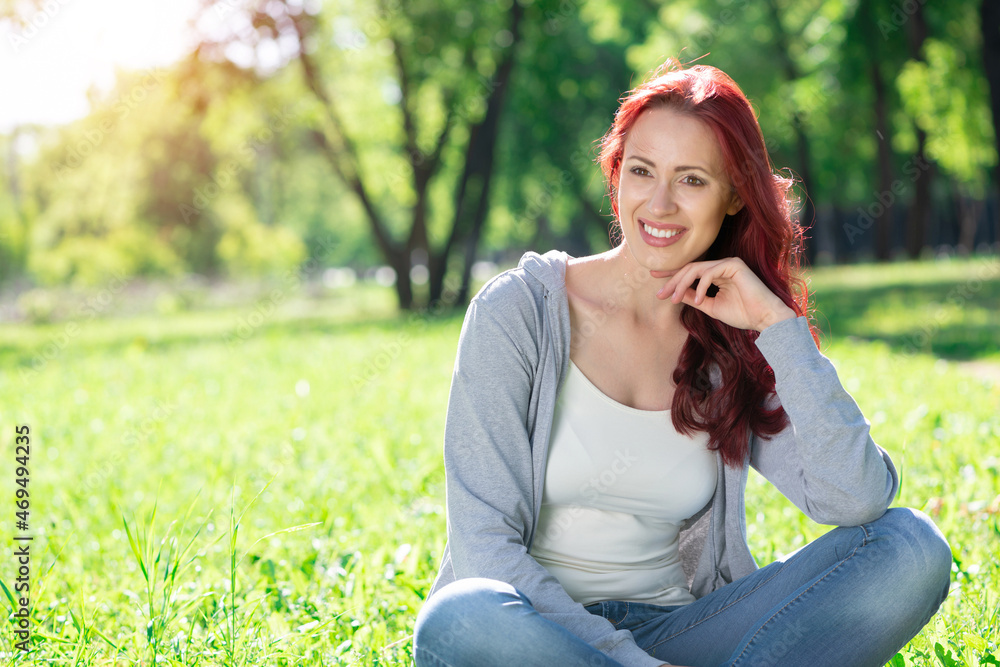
{"points": [[234, 267]]}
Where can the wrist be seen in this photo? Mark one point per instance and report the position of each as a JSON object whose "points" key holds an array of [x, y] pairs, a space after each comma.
{"points": [[775, 316]]}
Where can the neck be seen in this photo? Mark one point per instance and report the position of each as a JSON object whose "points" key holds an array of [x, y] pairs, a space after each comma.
{"points": [[633, 291]]}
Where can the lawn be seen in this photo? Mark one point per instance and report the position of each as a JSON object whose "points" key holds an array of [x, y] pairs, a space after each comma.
{"points": [[262, 484]]}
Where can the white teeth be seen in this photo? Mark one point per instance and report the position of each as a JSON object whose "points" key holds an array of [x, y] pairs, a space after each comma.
{"points": [[661, 233]]}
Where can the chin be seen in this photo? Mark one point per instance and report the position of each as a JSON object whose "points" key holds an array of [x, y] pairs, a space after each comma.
{"points": [[654, 261]]}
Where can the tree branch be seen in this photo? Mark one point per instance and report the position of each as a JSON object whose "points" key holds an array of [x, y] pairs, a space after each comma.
{"points": [[350, 172]]}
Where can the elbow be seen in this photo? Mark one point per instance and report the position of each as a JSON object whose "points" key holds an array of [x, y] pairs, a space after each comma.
{"points": [[851, 510], [858, 501]]}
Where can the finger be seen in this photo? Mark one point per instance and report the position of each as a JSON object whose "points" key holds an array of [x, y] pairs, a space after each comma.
{"points": [[678, 285], [703, 284], [667, 289], [669, 286], [689, 299], [679, 278], [707, 279]]}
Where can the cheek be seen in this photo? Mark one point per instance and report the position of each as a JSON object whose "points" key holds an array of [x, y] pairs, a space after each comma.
{"points": [[633, 192]]}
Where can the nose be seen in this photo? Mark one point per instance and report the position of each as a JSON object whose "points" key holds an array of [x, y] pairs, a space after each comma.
{"points": [[662, 202]]}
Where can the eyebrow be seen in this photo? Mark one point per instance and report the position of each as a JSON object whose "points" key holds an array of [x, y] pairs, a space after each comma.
{"points": [[683, 167]]}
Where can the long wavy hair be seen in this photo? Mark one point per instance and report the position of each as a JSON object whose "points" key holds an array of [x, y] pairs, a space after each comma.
{"points": [[762, 233]]}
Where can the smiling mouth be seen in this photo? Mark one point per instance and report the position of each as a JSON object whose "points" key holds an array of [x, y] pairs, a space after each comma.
{"points": [[661, 233]]}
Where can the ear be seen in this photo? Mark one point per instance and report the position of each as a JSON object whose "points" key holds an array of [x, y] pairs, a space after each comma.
{"points": [[735, 204]]}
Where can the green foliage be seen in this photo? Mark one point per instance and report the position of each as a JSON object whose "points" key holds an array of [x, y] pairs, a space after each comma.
{"points": [[948, 100]]}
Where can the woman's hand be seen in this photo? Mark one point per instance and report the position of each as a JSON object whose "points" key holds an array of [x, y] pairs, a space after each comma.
{"points": [[743, 301]]}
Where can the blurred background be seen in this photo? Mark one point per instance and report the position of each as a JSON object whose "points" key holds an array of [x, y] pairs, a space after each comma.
{"points": [[218, 141], [238, 239]]}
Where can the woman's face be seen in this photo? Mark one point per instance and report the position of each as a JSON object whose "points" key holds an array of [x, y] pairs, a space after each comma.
{"points": [[673, 192]]}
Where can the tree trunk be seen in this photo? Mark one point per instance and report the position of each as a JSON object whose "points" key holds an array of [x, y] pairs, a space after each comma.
{"points": [[400, 263], [968, 211], [990, 22], [482, 143], [919, 216], [885, 195], [920, 212]]}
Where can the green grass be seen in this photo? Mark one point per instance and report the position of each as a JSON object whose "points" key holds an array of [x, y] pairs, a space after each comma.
{"points": [[949, 309], [169, 454]]}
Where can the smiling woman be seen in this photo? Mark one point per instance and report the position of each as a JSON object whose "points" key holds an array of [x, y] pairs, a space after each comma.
{"points": [[605, 411], [673, 173]]}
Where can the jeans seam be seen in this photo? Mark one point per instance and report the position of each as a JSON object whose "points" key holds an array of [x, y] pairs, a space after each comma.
{"points": [[622, 620], [785, 606], [715, 613]]}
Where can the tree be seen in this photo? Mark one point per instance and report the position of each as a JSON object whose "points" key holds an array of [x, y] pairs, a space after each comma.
{"points": [[444, 73], [552, 191], [989, 14], [946, 96], [919, 217], [803, 152]]}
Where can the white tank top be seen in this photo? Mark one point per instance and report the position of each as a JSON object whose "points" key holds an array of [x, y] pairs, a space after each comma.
{"points": [[618, 483]]}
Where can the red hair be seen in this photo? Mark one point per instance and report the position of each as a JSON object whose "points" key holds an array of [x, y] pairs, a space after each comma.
{"points": [[762, 233]]}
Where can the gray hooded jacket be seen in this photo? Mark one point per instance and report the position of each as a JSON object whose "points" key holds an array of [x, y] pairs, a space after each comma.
{"points": [[513, 352]]}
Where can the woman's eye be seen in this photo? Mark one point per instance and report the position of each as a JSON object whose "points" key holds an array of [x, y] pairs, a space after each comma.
{"points": [[639, 171], [692, 180]]}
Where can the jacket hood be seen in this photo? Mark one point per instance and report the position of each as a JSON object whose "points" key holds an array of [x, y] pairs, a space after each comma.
{"points": [[549, 269]]}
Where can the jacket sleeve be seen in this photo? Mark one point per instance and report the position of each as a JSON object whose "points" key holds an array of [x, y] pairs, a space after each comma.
{"points": [[489, 473], [825, 461]]}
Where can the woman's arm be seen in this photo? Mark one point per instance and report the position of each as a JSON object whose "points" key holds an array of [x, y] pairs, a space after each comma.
{"points": [[825, 461], [489, 470]]}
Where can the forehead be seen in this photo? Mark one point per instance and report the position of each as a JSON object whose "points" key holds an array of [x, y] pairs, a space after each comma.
{"points": [[669, 136]]}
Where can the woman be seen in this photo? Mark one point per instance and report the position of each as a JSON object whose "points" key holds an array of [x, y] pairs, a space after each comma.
{"points": [[604, 412]]}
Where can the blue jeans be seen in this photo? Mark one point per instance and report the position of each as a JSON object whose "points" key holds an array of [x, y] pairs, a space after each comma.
{"points": [[854, 596]]}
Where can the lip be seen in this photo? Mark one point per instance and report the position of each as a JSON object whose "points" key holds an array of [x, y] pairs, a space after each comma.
{"points": [[655, 240]]}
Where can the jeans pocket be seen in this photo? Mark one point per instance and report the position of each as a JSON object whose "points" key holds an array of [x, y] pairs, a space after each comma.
{"points": [[616, 611]]}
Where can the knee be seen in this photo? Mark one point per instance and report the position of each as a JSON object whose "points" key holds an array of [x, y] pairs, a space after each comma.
{"points": [[460, 610], [922, 554]]}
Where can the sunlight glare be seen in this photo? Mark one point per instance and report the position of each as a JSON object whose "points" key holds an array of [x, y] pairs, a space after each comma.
{"points": [[70, 45]]}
